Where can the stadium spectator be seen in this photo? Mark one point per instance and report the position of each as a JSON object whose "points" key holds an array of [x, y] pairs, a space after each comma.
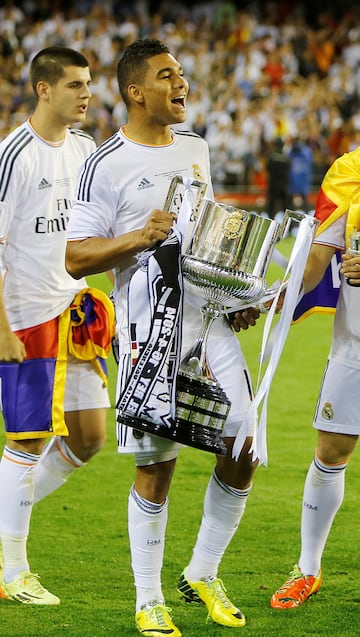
{"points": [[274, 69], [300, 173], [278, 179]]}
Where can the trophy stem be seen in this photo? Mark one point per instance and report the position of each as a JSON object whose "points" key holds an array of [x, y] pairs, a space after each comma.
{"points": [[195, 363]]}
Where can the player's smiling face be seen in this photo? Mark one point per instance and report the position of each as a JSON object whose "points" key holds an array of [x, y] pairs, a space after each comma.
{"points": [[165, 90], [69, 97]]}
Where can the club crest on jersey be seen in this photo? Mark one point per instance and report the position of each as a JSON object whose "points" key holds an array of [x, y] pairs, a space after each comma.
{"points": [[44, 184], [197, 172], [145, 183], [327, 411]]}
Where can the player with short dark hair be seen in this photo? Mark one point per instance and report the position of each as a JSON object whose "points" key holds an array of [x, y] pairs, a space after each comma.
{"points": [[49, 65], [119, 213], [44, 371]]}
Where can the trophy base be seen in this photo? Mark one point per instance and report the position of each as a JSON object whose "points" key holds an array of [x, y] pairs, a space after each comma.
{"points": [[201, 411], [181, 431]]}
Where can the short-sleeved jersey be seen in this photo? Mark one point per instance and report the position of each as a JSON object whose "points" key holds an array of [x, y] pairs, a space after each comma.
{"points": [[37, 186], [122, 182], [340, 191]]}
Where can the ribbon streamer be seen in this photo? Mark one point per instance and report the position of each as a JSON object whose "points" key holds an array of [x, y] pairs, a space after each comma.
{"points": [[276, 338]]}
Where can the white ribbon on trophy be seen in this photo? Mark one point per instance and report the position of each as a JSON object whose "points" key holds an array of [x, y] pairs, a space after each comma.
{"points": [[273, 340], [186, 209]]}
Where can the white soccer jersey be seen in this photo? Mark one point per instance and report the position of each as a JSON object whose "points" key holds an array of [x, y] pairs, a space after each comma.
{"points": [[37, 185], [122, 182], [345, 346], [119, 186]]}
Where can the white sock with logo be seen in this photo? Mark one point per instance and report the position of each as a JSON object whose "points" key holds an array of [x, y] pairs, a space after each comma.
{"points": [[57, 462], [323, 495], [16, 501], [147, 525], [224, 507]]}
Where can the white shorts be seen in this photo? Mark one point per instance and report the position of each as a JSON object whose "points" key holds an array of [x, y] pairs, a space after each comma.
{"points": [[84, 388], [229, 368], [338, 406]]}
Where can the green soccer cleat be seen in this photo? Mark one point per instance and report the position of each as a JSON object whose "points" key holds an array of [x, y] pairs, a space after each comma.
{"points": [[26, 589], [211, 592], [154, 621], [296, 590]]}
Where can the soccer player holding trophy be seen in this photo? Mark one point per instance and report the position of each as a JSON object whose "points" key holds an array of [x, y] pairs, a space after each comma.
{"points": [[121, 221], [118, 214]]}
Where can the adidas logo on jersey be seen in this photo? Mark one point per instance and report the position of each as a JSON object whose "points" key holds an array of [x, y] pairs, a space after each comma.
{"points": [[43, 184], [145, 183]]}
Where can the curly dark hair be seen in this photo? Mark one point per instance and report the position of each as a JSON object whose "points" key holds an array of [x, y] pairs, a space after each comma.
{"points": [[133, 65]]}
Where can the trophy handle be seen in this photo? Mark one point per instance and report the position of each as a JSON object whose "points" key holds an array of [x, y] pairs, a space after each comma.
{"points": [[289, 216], [176, 191]]}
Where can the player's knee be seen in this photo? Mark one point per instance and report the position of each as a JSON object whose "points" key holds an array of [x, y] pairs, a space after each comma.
{"points": [[237, 473], [153, 481], [91, 443], [334, 448], [34, 446]]}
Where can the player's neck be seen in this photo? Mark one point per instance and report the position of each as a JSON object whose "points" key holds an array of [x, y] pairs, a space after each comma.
{"points": [[49, 130], [161, 136]]}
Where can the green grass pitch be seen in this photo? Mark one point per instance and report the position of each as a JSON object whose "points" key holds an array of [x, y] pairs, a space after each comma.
{"points": [[78, 540]]}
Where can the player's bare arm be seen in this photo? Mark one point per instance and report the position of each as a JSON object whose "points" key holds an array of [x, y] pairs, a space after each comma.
{"points": [[99, 254], [11, 348], [318, 260]]}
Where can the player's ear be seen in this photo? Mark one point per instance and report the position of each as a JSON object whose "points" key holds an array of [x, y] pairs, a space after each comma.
{"points": [[135, 94], [42, 89]]}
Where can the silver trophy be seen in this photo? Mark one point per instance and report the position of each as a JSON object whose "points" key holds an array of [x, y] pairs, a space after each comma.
{"points": [[226, 252], [224, 263]]}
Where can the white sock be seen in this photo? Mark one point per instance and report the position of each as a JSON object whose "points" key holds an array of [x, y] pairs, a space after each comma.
{"points": [[223, 509], [16, 501], [323, 495], [57, 462], [147, 524], [15, 556]]}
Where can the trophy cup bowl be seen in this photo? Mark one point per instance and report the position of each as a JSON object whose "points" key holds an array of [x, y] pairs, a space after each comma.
{"points": [[225, 265]]}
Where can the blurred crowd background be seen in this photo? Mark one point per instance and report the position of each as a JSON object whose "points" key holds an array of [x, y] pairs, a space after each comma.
{"points": [[274, 86]]}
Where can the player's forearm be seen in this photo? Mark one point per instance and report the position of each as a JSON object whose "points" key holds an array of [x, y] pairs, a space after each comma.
{"points": [[11, 348], [4, 322], [318, 260], [100, 254]]}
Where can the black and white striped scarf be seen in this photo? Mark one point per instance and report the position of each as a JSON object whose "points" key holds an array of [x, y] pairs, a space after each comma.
{"points": [[155, 301]]}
